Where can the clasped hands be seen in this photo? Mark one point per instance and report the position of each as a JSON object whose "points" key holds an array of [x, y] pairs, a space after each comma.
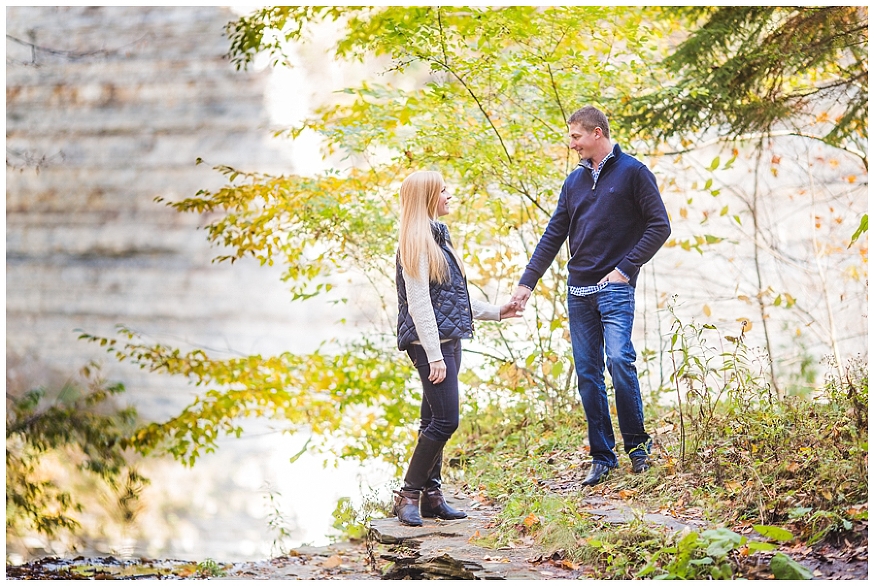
{"points": [[514, 308], [522, 293]]}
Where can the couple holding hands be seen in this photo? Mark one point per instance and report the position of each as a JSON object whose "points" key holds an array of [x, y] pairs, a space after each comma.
{"points": [[611, 214]]}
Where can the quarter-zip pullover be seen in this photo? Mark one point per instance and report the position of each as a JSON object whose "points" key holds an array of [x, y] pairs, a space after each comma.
{"points": [[618, 222]]}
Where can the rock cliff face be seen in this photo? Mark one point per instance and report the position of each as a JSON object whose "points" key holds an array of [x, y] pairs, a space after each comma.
{"points": [[106, 109]]}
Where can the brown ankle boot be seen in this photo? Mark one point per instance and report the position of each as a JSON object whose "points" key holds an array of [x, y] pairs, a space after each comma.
{"points": [[434, 505], [407, 507]]}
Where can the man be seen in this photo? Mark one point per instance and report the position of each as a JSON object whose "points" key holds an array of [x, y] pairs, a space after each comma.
{"points": [[613, 217]]}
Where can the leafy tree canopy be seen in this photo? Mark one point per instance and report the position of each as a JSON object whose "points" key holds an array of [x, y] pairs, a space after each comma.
{"points": [[754, 69]]}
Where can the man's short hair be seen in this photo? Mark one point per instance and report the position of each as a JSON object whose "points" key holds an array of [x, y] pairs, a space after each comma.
{"points": [[590, 117]]}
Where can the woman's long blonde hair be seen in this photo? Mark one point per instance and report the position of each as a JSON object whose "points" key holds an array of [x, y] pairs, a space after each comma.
{"points": [[420, 195]]}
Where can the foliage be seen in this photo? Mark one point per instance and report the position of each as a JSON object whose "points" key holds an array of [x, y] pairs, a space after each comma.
{"points": [[209, 568], [863, 227], [346, 520], [697, 556], [353, 393], [276, 520], [747, 71], [704, 375], [751, 69], [770, 456], [353, 523], [79, 425], [785, 472], [785, 568]]}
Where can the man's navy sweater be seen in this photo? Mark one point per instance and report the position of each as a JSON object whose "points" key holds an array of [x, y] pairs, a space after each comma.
{"points": [[618, 223]]}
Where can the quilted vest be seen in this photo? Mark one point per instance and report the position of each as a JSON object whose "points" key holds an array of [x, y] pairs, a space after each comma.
{"points": [[450, 300]]}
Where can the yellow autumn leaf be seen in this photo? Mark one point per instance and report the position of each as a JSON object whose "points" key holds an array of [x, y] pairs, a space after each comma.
{"points": [[706, 309], [683, 213], [531, 520], [747, 323]]}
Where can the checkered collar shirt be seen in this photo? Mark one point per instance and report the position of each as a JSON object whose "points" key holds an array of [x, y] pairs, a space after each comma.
{"points": [[587, 163]]}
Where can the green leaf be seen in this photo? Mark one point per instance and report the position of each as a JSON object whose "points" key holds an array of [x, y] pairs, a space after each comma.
{"points": [[863, 227], [713, 165], [799, 512], [775, 533], [557, 369], [785, 568]]}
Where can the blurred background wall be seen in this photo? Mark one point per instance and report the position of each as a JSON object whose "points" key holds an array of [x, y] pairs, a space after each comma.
{"points": [[108, 108]]}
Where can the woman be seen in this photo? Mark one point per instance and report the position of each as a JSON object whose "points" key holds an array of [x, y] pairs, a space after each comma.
{"points": [[435, 313]]}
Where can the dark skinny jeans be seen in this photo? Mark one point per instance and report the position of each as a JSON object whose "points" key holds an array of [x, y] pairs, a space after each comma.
{"points": [[439, 401]]}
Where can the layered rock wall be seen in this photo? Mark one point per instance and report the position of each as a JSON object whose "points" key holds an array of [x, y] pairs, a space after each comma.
{"points": [[108, 108]]}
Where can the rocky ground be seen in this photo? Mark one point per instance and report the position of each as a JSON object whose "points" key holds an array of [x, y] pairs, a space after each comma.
{"points": [[438, 550]]}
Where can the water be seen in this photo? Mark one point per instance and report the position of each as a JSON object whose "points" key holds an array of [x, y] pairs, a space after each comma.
{"points": [[244, 502]]}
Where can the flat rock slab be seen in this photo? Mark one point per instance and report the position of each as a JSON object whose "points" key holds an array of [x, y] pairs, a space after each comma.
{"points": [[447, 549], [610, 511]]}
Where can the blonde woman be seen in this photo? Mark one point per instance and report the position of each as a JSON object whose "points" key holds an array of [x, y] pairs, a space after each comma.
{"points": [[435, 313]]}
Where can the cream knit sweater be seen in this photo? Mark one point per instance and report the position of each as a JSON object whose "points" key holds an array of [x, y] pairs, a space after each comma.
{"points": [[419, 302]]}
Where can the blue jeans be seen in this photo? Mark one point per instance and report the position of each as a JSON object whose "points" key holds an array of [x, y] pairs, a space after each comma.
{"points": [[601, 323], [439, 402]]}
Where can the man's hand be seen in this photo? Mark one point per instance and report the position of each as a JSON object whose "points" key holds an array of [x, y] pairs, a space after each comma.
{"points": [[613, 276], [438, 372], [520, 297]]}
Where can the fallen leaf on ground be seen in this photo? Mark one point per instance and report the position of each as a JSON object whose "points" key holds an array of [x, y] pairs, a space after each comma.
{"points": [[332, 562]]}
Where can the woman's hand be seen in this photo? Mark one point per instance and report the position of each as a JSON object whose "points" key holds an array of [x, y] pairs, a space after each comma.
{"points": [[511, 309], [438, 372]]}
